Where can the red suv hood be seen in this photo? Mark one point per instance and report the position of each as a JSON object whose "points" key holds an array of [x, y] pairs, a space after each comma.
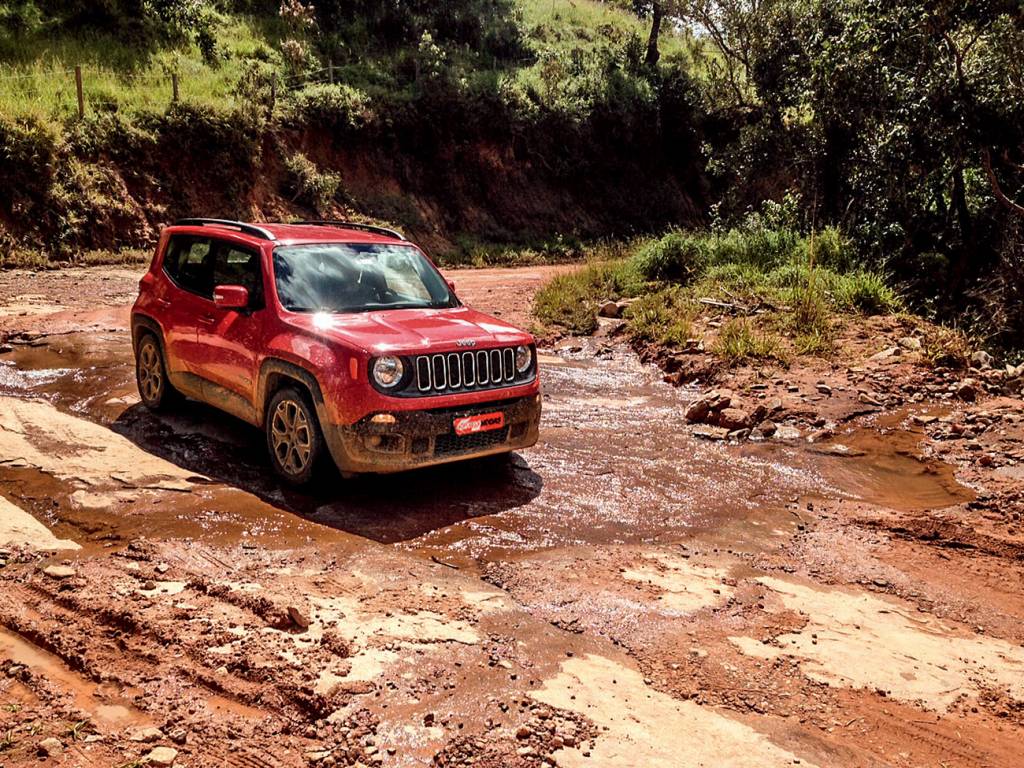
{"points": [[412, 331]]}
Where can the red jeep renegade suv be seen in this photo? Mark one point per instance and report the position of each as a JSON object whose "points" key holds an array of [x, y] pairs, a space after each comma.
{"points": [[335, 338]]}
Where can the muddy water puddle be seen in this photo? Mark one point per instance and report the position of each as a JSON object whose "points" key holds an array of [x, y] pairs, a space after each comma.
{"points": [[616, 464], [107, 707]]}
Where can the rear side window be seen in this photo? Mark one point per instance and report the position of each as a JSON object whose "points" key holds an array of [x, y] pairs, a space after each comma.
{"points": [[237, 266], [189, 262]]}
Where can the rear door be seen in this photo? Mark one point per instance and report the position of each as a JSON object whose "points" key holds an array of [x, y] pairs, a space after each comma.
{"points": [[186, 298], [229, 339]]}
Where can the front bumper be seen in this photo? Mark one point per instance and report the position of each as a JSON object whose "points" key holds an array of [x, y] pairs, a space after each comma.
{"points": [[427, 437]]}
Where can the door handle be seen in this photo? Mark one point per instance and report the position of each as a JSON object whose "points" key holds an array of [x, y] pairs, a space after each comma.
{"points": [[163, 303], [207, 319]]}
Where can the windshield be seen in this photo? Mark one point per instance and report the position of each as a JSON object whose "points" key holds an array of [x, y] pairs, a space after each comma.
{"points": [[357, 277]]}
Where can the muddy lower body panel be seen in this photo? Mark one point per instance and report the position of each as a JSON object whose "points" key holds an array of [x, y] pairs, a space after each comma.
{"points": [[392, 442]]}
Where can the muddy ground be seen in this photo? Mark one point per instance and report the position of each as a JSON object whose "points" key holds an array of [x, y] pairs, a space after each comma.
{"points": [[634, 591]]}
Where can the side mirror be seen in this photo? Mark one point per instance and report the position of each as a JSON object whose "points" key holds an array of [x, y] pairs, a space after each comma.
{"points": [[451, 286], [231, 297]]}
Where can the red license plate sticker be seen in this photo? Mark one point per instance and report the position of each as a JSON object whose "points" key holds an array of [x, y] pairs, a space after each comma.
{"points": [[484, 422]]}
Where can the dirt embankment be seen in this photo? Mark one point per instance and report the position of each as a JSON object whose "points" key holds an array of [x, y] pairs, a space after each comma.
{"points": [[628, 593], [112, 183]]}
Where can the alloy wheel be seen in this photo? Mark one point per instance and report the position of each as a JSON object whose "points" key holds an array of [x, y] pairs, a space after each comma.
{"points": [[151, 372], [291, 437]]}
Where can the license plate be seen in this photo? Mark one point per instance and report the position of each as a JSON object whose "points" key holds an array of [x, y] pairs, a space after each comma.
{"points": [[483, 422]]}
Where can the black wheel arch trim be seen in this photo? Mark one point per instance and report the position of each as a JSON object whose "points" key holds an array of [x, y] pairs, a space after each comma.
{"points": [[275, 366]]}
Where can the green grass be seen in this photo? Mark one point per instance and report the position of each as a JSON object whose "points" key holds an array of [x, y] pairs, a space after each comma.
{"points": [[739, 340], [37, 72], [664, 317], [761, 284], [37, 69], [570, 301], [587, 24]]}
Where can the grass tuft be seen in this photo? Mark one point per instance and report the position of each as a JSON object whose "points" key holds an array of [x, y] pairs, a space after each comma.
{"points": [[739, 341]]}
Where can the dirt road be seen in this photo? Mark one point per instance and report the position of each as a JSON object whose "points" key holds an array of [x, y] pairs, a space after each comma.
{"points": [[622, 595]]}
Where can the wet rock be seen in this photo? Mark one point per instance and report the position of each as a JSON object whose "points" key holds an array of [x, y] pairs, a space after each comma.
{"points": [[59, 572], [733, 419], [50, 747], [824, 389], [609, 308], [768, 428], [719, 399], [5, 348], [164, 756], [298, 617], [787, 432], [967, 390], [708, 432], [869, 398], [759, 414], [698, 411], [739, 435]]}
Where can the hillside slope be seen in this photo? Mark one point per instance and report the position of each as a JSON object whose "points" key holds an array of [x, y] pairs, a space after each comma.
{"points": [[564, 134]]}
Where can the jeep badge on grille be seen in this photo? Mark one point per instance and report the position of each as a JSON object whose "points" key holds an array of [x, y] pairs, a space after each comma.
{"points": [[465, 343]]}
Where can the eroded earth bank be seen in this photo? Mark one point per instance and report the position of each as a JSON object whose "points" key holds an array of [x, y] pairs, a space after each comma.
{"points": [[845, 592]]}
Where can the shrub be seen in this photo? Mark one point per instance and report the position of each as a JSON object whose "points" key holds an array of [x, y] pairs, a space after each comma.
{"points": [[810, 310], [676, 257], [759, 246], [311, 185], [830, 248], [28, 153], [866, 292], [340, 109]]}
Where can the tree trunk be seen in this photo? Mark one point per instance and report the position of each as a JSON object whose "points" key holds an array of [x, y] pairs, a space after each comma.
{"points": [[963, 215], [653, 54]]}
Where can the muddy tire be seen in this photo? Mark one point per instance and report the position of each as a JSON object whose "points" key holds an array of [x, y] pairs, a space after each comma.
{"points": [[294, 439], [155, 389]]}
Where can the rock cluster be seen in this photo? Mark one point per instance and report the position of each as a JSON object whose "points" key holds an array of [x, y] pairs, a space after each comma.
{"points": [[722, 417]]}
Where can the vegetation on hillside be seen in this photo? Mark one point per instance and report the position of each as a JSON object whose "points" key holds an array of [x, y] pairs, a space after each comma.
{"points": [[780, 290], [486, 126], [470, 124]]}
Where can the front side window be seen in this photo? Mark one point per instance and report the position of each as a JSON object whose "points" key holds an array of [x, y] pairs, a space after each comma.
{"points": [[238, 266], [357, 277]]}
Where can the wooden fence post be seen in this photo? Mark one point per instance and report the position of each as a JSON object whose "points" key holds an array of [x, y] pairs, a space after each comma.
{"points": [[174, 86], [78, 88], [273, 90]]}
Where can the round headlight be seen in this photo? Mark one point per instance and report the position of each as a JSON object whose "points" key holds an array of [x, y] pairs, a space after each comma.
{"points": [[388, 370], [524, 358]]}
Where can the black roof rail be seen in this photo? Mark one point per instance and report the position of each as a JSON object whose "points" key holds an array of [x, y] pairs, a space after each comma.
{"points": [[353, 225], [241, 226]]}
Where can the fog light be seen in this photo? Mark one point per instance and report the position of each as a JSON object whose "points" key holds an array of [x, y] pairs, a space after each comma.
{"points": [[383, 418], [373, 440]]}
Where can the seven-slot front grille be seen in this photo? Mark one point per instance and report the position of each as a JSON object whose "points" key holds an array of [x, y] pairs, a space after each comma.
{"points": [[454, 371]]}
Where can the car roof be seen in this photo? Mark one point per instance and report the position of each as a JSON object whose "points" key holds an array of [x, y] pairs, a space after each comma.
{"points": [[290, 234]]}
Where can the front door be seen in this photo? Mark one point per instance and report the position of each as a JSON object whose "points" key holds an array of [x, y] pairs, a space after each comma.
{"points": [[228, 338]]}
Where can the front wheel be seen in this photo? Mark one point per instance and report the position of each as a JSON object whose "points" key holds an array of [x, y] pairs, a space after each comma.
{"points": [[294, 439]]}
